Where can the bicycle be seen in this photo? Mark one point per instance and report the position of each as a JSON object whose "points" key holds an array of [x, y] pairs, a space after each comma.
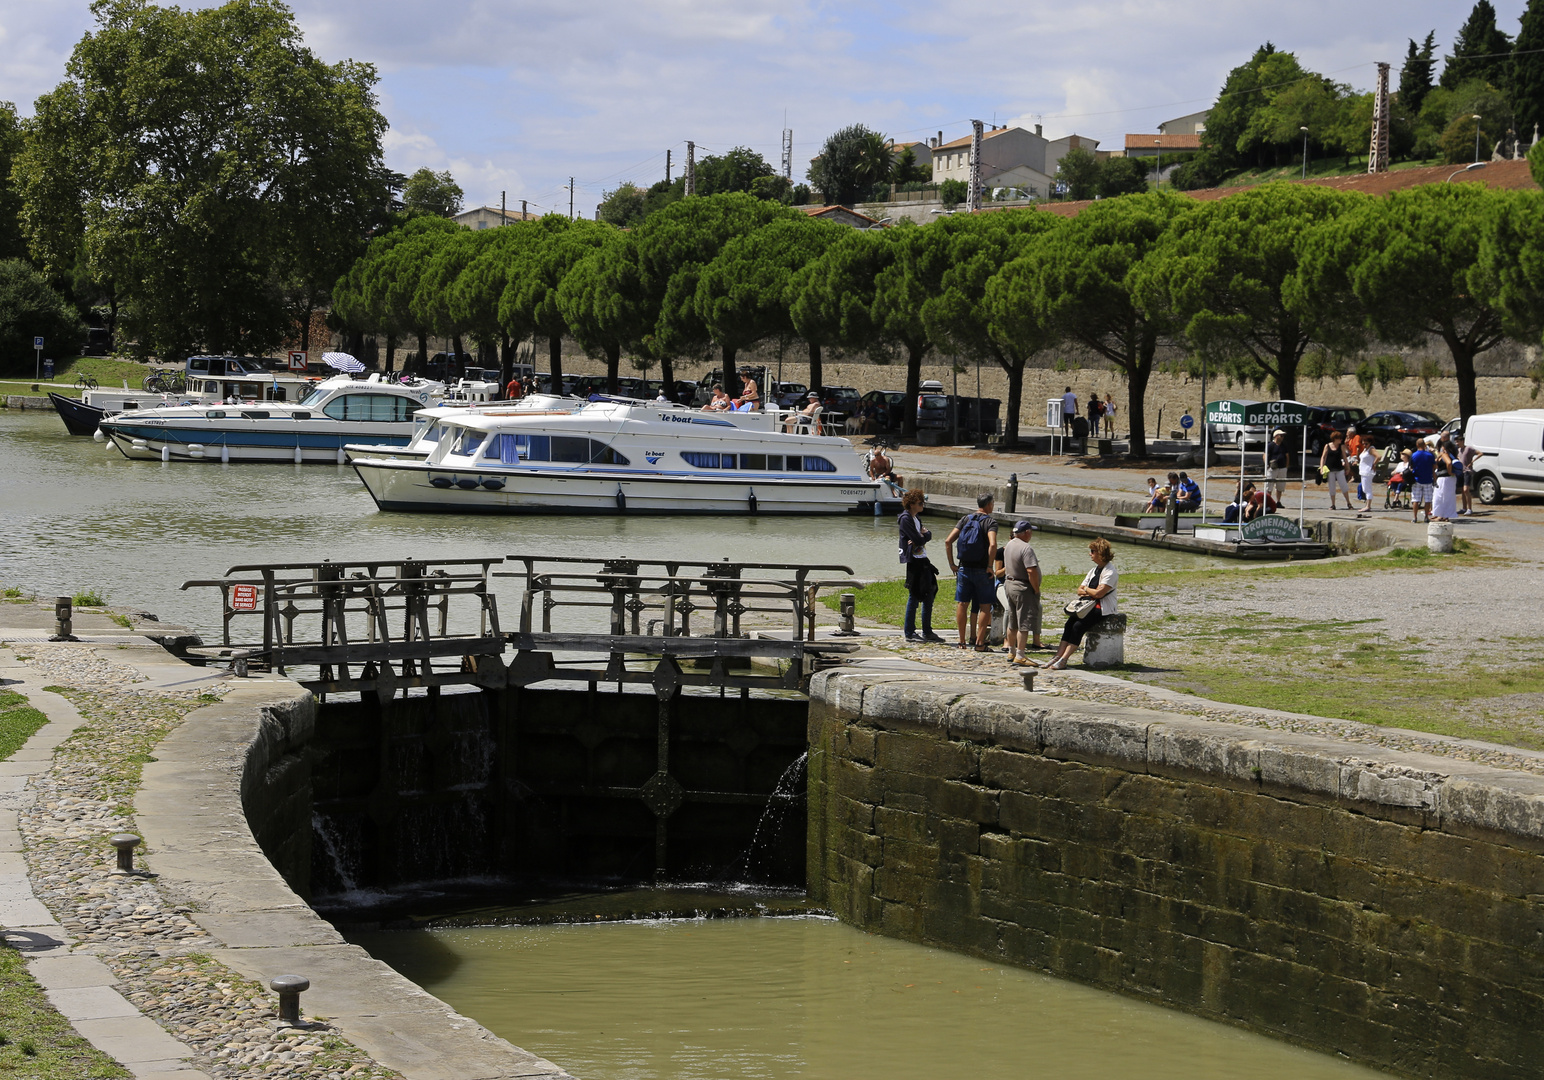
{"points": [[85, 382], [165, 382]]}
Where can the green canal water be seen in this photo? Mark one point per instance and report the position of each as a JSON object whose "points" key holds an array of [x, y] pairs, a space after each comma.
{"points": [[74, 515], [778, 998]]}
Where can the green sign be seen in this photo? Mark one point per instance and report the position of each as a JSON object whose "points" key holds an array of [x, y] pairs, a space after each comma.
{"points": [[1271, 527], [1277, 414], [1225, 412]]}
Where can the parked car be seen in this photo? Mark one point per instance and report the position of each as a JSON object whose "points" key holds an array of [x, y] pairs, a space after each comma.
{"points": [[1325, 420], [842, 401], [788, 395], [1511, 446], [890, 406], [1453, 427], [1400, 427], [932, 406], [1239, 435]]}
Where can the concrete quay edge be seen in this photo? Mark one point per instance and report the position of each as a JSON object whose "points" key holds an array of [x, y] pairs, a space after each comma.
{"points": [[1458, 797]]}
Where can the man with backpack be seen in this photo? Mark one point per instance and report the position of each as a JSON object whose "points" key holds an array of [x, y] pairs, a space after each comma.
{"points": [[971, 548]]}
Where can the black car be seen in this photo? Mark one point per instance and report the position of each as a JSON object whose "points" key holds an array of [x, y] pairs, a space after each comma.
{"points": [[889, 407], [839, 402], [1325, 420], [1400, 427]]}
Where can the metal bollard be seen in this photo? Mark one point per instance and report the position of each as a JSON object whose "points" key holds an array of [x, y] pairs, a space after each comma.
{"points": [[64, 615], [1013, 492], [848, 610], [125, 843], [1170, 516], [289, 989], [1029, 680]]}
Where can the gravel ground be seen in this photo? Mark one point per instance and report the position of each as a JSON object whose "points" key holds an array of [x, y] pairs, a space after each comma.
{"points": [[128, 922]]}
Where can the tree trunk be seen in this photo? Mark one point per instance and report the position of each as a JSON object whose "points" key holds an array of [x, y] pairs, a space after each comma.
{"points": [[1015, 399], [1138, 372], [391, 353], [667, 374], [817, 371], [914, 355], [1463, 370], [506, 361], [555, 361], [613, 362], [423, 354], [730, 351], [305, 329]]}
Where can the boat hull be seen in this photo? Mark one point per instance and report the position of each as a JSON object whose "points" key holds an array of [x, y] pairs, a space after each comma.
{"points": [[79, 418], [408, 486], [144, 442]]}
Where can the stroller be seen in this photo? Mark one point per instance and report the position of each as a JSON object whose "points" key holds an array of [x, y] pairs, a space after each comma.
{"points": [[1392, 469]]}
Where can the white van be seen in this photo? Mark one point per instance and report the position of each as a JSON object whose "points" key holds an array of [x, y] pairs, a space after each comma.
{"points": [[1511, 445]]}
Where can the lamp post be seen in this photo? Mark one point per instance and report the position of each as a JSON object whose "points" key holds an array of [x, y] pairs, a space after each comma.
{"points": [[1305, 151], [1158, 181], [1468, 168], [1476, 119]]}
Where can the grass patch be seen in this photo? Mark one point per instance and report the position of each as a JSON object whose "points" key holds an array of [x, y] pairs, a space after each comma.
{"points": [[19, 721], [90, 598], [108, 372], [36, 1042]]}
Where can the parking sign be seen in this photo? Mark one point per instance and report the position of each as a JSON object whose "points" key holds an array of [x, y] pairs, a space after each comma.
{"points": [[37, 343]]}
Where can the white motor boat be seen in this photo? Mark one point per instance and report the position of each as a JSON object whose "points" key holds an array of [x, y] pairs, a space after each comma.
{"points": [[204, 379], [426, 435], [622, 457], [335, 412]]}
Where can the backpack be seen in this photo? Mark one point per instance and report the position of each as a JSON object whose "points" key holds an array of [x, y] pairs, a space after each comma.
{"points": [[972, 542]]}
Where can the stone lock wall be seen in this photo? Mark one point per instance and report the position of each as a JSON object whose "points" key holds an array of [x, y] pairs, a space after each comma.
{"points": [[1383, 909]]}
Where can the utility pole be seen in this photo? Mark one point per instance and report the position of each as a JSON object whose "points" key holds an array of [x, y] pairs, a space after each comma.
{"points": [[973, 198], [667, 166], [1378, 153], [522, 210], [570, 198], [788, 154], [503, 208], [691, 167]]}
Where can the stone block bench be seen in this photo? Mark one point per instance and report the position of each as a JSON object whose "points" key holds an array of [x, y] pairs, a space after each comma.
{"points": [[1105, 644]]}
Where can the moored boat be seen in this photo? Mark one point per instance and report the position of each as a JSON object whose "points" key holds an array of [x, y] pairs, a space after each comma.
{"points": [[427, 433], [622, 457]]}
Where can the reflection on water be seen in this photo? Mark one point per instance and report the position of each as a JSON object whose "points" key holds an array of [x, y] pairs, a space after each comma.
{"points": [[801, 997], [73, 515]]}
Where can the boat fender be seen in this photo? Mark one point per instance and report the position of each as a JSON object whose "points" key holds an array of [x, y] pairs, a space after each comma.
{"points": [[341, 456], [468, 484], [876, 507], [225, 454], [621, 499], [195, 450], [98, 436], [166, 452], [493, 483], [753, 500], [440, 481], [297, 454], [140, 444]]}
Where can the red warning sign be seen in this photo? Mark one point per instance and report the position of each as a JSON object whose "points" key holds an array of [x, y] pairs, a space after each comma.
{"points": [[243, 597]]}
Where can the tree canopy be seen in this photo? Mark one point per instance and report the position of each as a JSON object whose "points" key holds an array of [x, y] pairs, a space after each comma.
{"points": [[208, 162], [430, 192], [30, 307], [851, 162], [1481, 50]]}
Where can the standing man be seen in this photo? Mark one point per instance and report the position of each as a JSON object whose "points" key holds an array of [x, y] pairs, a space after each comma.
{"points": [[1069, 410], [1423, 469], [1354, 443], [1278, 461], [1021, 575], [1095, 413], [1466, 455], [515, 390], [974, 587]]}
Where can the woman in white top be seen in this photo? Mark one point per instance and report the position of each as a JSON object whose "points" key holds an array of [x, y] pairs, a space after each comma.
{"points": [[1099, 586], [1367, 465], [1109, 415]]}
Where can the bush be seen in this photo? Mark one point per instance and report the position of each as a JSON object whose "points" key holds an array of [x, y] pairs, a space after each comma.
{"points": [[29, 307], [952, 193]]}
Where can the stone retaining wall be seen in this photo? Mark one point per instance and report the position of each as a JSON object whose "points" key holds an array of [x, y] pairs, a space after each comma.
{"points": [[22, 401], [1383, 909]]}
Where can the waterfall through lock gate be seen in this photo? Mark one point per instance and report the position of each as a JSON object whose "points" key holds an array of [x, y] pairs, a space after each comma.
{"points": [[787, 796]]}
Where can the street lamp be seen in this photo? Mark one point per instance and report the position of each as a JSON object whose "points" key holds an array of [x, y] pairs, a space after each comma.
{"points": [[1305, 151], [1476, 119], [1468, 168]]}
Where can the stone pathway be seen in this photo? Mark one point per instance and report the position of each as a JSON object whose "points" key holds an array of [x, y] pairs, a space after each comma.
{"points": [[118, 957]]}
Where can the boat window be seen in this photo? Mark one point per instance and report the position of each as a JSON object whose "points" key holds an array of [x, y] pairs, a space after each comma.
{"points": [[254, 414], [517, 448], [127, 405], [470, 441], [700, 460], [211, 387], [372, 408], [215, 414], [775, 462], [310, 399], [794, 464], [249, 390], [818, 464], [753, 461], [301, 415], [569, 448], [432, 436], [492, 453], [601, 454]]}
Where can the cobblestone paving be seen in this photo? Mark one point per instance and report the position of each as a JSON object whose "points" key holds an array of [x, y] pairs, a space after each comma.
{"points": [[128, 922]]}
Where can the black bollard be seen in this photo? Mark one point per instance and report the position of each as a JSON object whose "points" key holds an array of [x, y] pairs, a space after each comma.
{"points": [[1013, 492], [125, 843], [289, 989]]}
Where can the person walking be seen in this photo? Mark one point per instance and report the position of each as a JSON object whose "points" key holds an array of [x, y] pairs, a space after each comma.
{"points": [[1423, 467], [974, 539], [921, 574], [1069, 410], [1098, 586], [1278, 462], [1095, 411], [1367, 468], [1021, 582], [1332, 467], [1109, 416], [1466, 455]]}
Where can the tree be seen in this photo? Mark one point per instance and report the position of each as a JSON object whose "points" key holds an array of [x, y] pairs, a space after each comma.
{"points": [[1121, 176], [1080, 280], [475, 292], [1415, 80], [1525, 73], [1232, 114], [919, 259], [1222, 274], [844, 171], [830, 300], [1509, 274], [960, 317], [952, 192], [12, 243], [772, 189], [1408, 260], [1079, 170], [624, 206], [876, 159], [743, 295], [909, 171], [380, 290], [1536, 162], [530, 302], [604, 303], [734, 171], [1480, 52], [29, 307], [207, 159], [430, 192]]}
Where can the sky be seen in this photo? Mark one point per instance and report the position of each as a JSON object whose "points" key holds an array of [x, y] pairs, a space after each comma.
{"points": [[519, 97]]}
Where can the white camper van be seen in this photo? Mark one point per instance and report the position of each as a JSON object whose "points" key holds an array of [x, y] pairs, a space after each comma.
{"points": [[1512, 449]]}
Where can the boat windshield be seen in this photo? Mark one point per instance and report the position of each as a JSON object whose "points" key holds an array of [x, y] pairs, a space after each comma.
{"points": [[314, 396]]}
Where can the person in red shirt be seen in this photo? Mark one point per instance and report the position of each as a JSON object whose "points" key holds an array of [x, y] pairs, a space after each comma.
{"points": [[1257, 502], [514, 391]]}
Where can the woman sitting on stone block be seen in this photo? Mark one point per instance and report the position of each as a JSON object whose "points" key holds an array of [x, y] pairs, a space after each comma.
{"points": [[1099, 585]]}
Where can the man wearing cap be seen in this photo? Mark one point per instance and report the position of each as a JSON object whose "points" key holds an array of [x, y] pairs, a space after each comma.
{"points": [[805, 417], [1278, 460], [975, 589], [1021, 580]]}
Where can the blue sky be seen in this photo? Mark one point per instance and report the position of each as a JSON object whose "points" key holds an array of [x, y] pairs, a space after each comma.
{"points": [[518, 96]]}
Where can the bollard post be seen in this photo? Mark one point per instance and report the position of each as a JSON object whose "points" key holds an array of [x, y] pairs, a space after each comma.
{"points": [[1013, 492], [1029, 680], [125, 843], [1170, 516], [848, 611], [289, 988], [64, 619]]}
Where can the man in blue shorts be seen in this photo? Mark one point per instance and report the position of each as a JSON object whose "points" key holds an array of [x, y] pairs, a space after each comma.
{"points": [[971, 548], [1423, 469]]}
